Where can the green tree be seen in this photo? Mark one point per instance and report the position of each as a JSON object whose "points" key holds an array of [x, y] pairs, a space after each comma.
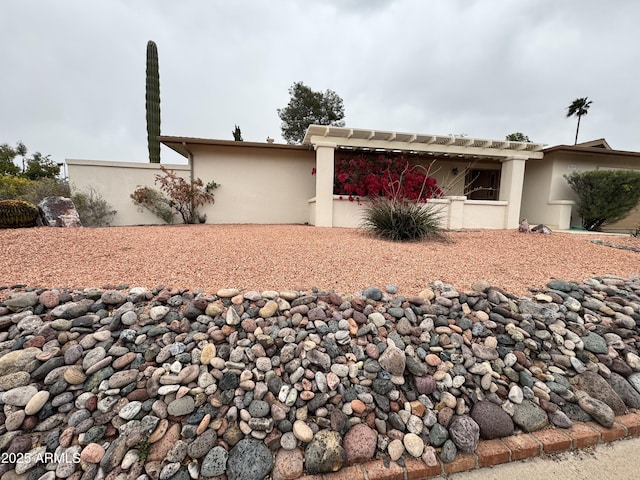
{"points": [[153, 102], [237, 134], [41, 166], [7, 156], [517, 137], [605, 196], [307, 107], [34, 168], [579, 107]]}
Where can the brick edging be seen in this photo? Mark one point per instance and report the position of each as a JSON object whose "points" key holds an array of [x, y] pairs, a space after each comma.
{"points": [[494, 452]]}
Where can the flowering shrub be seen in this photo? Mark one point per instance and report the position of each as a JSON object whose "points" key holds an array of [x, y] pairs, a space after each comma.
{"points": [[176, 195], [383, 176]]}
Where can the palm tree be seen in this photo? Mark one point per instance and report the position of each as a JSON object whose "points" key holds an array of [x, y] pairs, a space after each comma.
{"points": [[579, 107]]}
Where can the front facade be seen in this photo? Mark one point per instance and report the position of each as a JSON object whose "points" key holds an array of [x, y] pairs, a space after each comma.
{"points": [[450, 154], [487, 183], [264, 183]]}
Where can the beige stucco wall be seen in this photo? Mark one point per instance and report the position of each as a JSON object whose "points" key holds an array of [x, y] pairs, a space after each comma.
{"points": [[347, 213], [257, 185], [350, 214], [485, 214], [116, 181], [454, 212], [442, 171], [536, 194]]}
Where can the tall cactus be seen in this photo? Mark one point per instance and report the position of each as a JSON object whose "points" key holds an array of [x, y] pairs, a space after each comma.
{"points": [[153, 103]]}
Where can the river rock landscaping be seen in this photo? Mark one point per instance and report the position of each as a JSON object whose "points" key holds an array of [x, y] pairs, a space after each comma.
{"points": [[171, 384]]}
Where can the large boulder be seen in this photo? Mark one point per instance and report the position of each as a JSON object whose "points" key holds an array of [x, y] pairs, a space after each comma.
{"points": [[529, 416], [598, 388], [250, 459], [325, 453], [493, 421], [359, 444], [58, 212], [465, 433]]}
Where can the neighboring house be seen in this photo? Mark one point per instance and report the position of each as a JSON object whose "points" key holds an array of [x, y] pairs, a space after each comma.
{"points": [[547, 197], [488, 183]]}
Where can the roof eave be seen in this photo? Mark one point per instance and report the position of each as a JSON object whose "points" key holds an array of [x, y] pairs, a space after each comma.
{"points": [[590, 150], [177, 144]]}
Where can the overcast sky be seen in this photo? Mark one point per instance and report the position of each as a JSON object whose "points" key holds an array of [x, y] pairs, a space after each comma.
{"points": [[73, 71]]}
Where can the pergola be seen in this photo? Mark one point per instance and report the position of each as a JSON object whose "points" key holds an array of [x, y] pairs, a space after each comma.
{"points": [[511, 155]]}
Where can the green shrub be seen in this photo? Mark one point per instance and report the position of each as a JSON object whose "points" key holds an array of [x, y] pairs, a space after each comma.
{"points": [[93, 210], [154, 201], [402, 220], [17, 214], [12, 187], [401, 217], [33, 191], [46, 187], [605, 196]]}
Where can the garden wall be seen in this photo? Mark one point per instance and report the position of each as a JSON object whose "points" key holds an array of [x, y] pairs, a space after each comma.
{"points": [[256, 185], [116, 181], [455, 212]]}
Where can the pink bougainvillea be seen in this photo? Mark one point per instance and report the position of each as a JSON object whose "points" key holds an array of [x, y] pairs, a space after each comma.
{"points": [[383, 175]]}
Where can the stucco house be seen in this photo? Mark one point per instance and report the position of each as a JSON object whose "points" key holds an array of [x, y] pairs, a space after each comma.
{"points": [[488, 183]]}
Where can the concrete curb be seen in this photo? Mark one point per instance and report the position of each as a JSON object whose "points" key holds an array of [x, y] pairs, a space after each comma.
{"points": [[494, 452]]}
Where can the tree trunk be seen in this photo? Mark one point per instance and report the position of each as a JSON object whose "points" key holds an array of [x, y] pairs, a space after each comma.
{"points": [[577, 130]]}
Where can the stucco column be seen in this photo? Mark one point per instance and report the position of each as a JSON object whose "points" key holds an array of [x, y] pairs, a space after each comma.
{"points": [[325, 164], [511, 183]]}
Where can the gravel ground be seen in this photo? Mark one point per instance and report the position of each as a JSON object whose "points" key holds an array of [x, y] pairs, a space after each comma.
{"points": [[278, 257]]}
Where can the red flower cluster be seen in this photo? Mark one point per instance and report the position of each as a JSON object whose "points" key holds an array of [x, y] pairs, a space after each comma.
{"points": [[381, 175]]}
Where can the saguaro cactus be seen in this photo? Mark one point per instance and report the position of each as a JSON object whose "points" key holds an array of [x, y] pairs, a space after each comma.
{"points": [[153, 103]]}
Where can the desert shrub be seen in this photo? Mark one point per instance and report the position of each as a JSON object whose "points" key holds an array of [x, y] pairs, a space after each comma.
{"points": [[92, 208], [33, 191], [399, 217], [39, 189], [17, 214], [154, 201], [605, 196], [176, 196], [12, 187], [402, 220]]}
